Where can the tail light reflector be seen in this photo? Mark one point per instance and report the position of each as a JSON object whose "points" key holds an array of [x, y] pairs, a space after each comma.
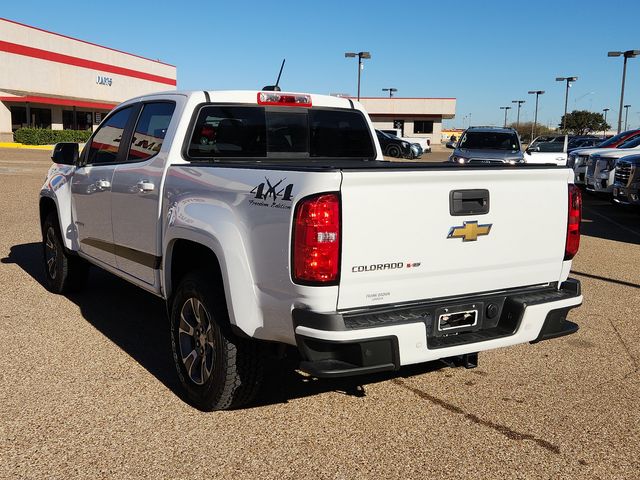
{"points": [[316, 240], [284, 99], [573, 222]]}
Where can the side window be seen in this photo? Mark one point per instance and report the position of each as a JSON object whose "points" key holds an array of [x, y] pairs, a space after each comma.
{"points": [[106, 141], [150, 131]]}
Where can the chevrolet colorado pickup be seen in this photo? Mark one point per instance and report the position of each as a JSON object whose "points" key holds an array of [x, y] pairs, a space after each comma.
{"points": [[270, 219]]}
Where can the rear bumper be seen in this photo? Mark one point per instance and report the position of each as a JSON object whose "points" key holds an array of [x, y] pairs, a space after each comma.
{"points": [[367, 341]]}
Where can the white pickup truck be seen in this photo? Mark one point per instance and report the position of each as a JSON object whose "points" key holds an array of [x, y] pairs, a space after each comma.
{"points": [[267, 219]]}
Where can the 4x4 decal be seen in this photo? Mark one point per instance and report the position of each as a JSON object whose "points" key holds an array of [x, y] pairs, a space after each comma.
{"points": [[274, 192]]}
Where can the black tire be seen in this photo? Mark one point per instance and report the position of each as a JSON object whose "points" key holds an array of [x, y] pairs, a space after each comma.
{"points": [[63, 271], [394, 151], [218, 370]]}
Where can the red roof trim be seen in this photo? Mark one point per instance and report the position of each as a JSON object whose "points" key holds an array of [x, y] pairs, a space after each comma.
{"points": [[81, 62], [84, 41], [59, 101]]}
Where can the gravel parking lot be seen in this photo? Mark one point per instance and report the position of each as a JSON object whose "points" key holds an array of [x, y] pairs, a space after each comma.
{"points": [[87, 388]]}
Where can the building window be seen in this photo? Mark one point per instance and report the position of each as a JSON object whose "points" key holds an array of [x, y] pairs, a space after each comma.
{"points": [[84, 120], [40, 117], [423, 126], [18, 118]]}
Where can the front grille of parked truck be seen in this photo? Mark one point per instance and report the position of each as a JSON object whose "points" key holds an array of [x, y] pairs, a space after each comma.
{"points": [[623, 172]]}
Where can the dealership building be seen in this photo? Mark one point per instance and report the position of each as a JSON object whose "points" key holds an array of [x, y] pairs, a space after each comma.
{"points": [[414, 117], [48, 80]]}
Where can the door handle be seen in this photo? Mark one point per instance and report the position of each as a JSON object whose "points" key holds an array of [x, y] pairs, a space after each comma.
{"points": [[103, 184], [145, 186]]}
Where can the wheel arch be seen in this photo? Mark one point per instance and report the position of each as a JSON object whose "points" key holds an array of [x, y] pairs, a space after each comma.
{"points": [[46, 206], [184, 254]]}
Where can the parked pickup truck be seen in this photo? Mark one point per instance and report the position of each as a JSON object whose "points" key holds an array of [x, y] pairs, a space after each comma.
{"points": [[424, 143], [270, 219], [626, 190]]}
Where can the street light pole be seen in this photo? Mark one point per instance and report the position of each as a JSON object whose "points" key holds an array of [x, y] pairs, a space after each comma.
{"points": [[604, 133], [535, 118], [626, 54], [519, 102], [626, 115], [391, 90], [360, 55], [566, 97], [506, 109]]}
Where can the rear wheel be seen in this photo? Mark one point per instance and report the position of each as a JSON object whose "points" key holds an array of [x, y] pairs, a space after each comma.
{"points": [[63, 272], [217, 369]]}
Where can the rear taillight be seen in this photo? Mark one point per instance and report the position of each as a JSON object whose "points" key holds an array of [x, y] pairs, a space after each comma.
{"points": [[316, 240], [573, 222]]}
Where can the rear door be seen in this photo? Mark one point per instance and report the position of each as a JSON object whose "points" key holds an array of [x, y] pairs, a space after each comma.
{"points": [[403, 241], [137, 184]]}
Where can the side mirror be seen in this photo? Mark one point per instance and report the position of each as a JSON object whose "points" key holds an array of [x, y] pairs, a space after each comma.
{"points": [[450, 145], [65, 153]]}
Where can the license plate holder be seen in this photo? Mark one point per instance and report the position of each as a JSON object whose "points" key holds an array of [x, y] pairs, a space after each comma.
{"points": [[456, 319]]}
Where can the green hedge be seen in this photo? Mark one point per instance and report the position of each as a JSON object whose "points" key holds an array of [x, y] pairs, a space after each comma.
{"points": [[46, 136]]}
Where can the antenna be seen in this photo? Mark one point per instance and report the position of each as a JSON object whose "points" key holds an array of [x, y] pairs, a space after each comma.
{"points": [[275, 88]]}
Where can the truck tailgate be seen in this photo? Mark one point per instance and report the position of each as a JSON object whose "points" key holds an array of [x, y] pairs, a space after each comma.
{"points": [[395, 228]]}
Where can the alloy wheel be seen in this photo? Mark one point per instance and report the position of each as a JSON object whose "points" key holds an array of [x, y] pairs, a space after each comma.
{"points": [[195, 337]]}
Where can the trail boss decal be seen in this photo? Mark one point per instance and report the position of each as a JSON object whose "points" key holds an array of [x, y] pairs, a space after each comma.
{"points": [[272, 194], [384, 266]]}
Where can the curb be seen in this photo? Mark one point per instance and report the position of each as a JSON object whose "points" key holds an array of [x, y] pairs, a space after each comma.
{"points": [[28, 147]]}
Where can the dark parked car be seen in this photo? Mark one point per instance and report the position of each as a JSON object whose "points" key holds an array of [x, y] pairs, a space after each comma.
{"points": [[392, 146], [583, 142]]}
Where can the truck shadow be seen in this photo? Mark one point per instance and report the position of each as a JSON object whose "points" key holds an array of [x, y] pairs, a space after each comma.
{"points": [[603, 219], [136, 322]]}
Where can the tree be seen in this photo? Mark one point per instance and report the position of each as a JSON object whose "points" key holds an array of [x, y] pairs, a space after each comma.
{"points": [[524, 130], [581, 122]]}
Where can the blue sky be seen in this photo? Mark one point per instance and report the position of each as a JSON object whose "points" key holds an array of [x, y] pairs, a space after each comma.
{"points": [[484, 53]]}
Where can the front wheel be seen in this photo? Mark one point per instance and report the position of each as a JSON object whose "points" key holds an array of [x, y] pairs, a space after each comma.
{"points": [[63, 272], [394, 151], [217, 369]]}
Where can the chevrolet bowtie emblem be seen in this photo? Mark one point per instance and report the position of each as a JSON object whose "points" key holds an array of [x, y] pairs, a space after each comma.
{"points": [[469, 231]]}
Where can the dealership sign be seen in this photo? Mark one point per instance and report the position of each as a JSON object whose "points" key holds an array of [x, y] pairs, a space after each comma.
{"points": [[102, 80]]}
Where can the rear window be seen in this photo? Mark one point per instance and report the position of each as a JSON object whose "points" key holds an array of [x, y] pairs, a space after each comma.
{"points": [[250, 132]]}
